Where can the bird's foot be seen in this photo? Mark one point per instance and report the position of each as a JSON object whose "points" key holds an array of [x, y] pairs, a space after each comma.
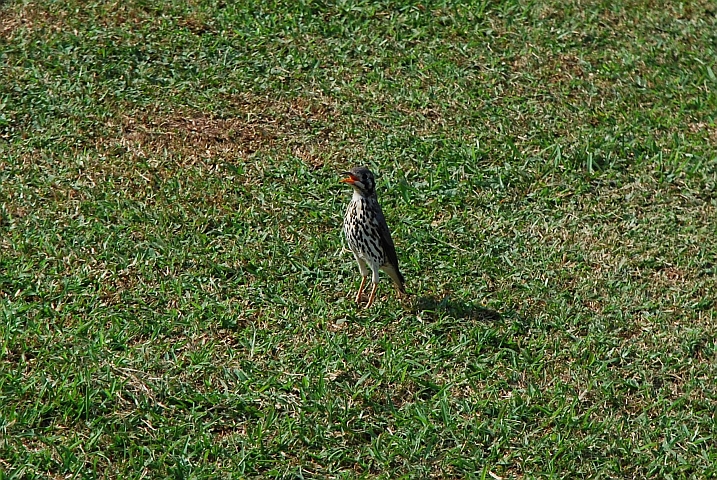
{"points": [[360, 290], [372, 297]]}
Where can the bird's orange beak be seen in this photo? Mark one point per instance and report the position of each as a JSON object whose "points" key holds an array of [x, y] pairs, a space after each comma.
{"points": [[350, 180]]}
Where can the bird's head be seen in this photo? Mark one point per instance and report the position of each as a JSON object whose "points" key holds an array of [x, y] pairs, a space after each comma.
{"points": [[361, 179]]}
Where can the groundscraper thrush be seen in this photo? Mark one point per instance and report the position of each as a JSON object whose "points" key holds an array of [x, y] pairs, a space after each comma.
{"points": [[367, 233]]}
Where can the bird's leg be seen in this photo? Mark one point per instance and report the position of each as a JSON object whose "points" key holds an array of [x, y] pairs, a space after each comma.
{"points": [[360, 291], [372, 296]]}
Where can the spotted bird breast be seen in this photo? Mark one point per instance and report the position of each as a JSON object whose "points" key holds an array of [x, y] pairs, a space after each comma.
{"points": [[361, 230]]}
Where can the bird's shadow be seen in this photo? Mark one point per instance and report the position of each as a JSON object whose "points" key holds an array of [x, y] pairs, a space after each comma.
{"points": [[456, 308]]}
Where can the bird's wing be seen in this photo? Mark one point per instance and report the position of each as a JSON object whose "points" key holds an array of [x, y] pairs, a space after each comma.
{"points": [[385, 237]]}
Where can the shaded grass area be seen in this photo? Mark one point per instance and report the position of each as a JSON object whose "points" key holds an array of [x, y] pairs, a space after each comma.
{"points": [[175, 300]]}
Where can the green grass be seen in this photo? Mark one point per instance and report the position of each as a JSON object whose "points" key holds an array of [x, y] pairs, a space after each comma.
{"points": [[175, 297]]}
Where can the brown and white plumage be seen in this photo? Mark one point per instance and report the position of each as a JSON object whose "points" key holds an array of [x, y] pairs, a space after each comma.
{"points": [[368, 235]]}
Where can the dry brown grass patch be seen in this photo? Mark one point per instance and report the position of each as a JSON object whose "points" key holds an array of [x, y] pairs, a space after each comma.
{"points": [[195, 137], [302, 127], [706, 130], [30, 17]]}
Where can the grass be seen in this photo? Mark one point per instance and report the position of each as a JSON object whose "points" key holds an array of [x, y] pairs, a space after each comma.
{"points": [[176, 300]]}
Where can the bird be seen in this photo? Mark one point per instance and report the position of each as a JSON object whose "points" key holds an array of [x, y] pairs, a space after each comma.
{"points": [[367, 233]]}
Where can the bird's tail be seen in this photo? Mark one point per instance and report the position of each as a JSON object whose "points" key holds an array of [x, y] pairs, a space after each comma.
{"points": [[397, 278]]}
